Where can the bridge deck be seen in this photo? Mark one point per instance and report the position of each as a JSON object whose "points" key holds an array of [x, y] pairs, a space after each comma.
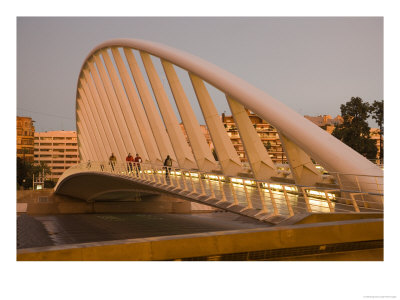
{"points": [[270, 202]]}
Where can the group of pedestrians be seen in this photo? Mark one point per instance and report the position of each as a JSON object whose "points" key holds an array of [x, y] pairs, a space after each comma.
{"points": [[134, 163]]}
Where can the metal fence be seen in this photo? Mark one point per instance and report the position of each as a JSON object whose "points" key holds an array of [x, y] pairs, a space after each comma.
{"points": [[268, 197]]}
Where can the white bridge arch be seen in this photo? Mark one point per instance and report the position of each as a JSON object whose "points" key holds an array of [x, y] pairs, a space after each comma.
{"points": [[117, 114]]}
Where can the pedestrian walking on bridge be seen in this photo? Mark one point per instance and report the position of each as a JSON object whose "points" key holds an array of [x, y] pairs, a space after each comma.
{"points": [[129, 162], [137, 162], [167, 166], [112, 161]]}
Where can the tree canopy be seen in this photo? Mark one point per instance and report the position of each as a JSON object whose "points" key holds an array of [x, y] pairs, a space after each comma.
{"points": [[26, 170], [355, 131], [377, 115]]}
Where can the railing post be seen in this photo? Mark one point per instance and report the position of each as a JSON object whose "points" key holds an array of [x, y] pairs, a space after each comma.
{"points": [[164, 177], [358, 184], [262, 198], [184, 180], [288, 201], [158, 179], [171, 182], [303, 189], [378, 185], [191, 181], [359, 189], [137, 171], [331, 209], [235, 199], [271, 195], [221, 188], [339, 181], [248, 199], [211, 188], [178, 184], [203, 191], [354, 202]]}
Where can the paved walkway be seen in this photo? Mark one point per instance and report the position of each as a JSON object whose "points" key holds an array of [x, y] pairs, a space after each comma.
{"points": [[51, 230]]}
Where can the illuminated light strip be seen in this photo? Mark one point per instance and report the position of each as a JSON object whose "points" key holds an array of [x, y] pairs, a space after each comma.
{"points": [[276, 186], [279, 187], [319, 203], [321, 194], [176, 172], [237, 180], [249, 182], [215, 177], [291, 188]]}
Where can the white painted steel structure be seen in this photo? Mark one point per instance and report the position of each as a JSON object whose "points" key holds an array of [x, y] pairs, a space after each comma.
{"points": [[258, 199], [116, 113]]}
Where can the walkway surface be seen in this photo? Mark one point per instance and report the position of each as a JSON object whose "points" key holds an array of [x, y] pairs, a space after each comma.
{"points": [[50, 230]]}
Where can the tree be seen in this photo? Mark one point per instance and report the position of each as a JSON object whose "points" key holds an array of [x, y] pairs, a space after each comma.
{"points": [[354, 131], [22, 171], [26, 170], [377, 115], [40, 170]]}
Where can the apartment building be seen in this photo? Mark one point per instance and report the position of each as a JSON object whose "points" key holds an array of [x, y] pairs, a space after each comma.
{"points": [[204, 131], [326, 122], [25, 135], [267, 133], [58, 149]]}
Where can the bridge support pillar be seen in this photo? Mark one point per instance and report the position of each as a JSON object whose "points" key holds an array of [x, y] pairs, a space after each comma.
{"points": [[227, 154], [261, 164], [303, 170], [201, 151]]}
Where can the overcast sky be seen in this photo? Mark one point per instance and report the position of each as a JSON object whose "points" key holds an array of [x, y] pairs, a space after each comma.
{"points": [[311, 64]]}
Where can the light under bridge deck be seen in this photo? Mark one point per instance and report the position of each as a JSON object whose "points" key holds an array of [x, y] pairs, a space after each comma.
{"points": [[270, 202]]}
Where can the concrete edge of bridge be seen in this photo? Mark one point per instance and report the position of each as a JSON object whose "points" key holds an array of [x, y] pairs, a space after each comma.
{"points": [[316, 238]]}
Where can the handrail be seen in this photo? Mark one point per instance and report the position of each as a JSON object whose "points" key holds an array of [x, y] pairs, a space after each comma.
{"points": [[268, 197]]}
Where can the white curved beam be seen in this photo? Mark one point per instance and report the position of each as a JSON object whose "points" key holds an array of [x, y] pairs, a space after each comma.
{"points": [[121, 150], [126, 109], [111, 140], [182, 151], [319, 144], [201, 151], [96, 116], [157, 127], [260, 162], [138, 111], [227, 155]]}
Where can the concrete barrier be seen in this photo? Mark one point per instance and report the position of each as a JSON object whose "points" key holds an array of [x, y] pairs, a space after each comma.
{"points": [[213, 243]]}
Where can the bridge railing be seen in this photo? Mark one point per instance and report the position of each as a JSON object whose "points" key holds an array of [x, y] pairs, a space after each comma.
{"points": [[267, 197]]}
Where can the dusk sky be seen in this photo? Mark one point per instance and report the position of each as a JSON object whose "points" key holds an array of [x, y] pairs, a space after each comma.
{"points": [[312, 64]]}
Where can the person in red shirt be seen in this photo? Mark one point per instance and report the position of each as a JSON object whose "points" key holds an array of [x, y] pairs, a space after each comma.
{"points": [[129, 162], [137, 161]]}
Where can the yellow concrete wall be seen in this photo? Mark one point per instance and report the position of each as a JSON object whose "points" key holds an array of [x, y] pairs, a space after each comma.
{"points": [[209, 244]]}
